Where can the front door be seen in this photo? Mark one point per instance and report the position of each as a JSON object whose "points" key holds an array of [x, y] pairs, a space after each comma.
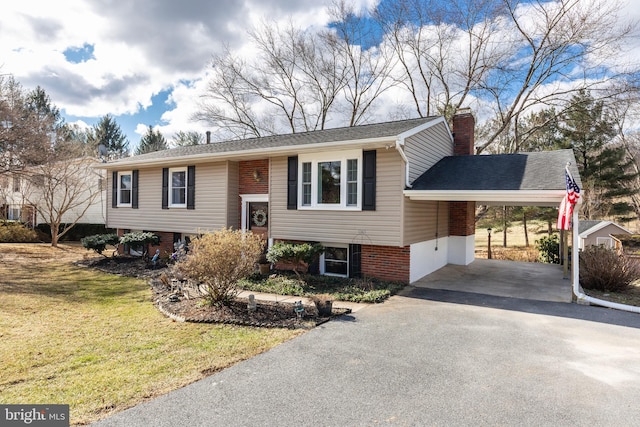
{"points": [[258, 218]]}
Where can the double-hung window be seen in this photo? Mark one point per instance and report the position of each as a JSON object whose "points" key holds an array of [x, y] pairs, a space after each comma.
{"points": [[330, 180], [124, 188], [178, 187]]}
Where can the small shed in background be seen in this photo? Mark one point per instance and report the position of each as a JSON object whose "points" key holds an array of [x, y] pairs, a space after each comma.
{"points": [[601, 233]]}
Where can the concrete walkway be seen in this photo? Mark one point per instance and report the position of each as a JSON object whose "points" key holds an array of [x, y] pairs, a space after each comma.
{"points": [[428, 358]]}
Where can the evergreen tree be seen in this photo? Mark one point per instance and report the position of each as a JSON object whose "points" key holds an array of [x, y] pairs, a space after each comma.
{"points": [[108, 133], [603, 167], [182, 138], [151, 141]]}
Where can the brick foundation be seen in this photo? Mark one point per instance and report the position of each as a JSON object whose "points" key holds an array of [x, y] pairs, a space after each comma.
{"points": [[165, 246], [386, 262]]}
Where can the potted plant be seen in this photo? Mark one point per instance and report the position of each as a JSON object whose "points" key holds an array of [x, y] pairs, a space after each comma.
{"points": [[264, 265], [323, 303]]}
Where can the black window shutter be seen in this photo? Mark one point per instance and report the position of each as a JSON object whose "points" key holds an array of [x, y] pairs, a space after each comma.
{"points": [[292, 183], [165, 188], [369, 180], [191, 187], [114, 190], [355, 260], [134, 189]]}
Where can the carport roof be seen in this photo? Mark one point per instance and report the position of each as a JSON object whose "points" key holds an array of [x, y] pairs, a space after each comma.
{"points": [[520, 179]]}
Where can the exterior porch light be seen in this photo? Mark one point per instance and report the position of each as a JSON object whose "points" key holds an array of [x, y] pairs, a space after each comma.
{"points": [[489, 243], [256, 175]]}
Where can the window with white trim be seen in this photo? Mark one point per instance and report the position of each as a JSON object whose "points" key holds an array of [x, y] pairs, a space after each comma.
{"points": [[178, 187], [124, 188], [335, 261], [330, 180]]}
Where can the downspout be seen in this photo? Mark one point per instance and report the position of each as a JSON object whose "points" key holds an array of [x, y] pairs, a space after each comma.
{"points": [[406, 163], [575, 269]]}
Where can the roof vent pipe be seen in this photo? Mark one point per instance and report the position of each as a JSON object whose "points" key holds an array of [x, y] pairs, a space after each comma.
{"points": [[208, 137]]}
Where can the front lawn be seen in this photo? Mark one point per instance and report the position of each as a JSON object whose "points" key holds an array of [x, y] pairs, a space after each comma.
{"points": [[73, 335]]}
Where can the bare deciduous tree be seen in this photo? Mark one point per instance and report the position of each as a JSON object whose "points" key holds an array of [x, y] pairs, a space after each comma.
{"points": [[553, 41], [62, 191]]}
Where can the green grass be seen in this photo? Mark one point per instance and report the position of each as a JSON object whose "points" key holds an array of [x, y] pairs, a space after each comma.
{"points": [[367, 290], [95, 341]]}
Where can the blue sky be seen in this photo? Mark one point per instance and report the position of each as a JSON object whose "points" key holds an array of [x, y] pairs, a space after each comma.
{"points": [[143, 61]]}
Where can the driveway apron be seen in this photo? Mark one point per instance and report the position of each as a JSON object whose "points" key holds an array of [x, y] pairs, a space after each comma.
{"points": [[429, 358]]}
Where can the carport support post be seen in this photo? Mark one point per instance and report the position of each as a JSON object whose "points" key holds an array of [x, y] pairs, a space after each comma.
{"points": [[565, 253]]}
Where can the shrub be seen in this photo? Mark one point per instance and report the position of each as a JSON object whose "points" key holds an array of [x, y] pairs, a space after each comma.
{"points": [[15, 232], [98, 243], [294, 253], [604, 270], [217, 261], [549, 247]]}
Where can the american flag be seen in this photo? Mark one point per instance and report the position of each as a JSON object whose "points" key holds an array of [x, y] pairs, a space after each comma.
{"points": [[568, 202]]}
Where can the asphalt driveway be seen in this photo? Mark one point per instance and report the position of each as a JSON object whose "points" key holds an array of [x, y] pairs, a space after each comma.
{"points": [[428, 358]]}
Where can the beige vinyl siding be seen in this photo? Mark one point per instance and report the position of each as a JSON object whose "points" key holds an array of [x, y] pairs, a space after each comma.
{"points": [[233, 197], [605, 232], [379, 227], [420, 220], [211, 203], [426, 148]]}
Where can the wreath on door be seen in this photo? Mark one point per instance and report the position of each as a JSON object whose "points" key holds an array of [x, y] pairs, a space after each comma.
{"points": [[260, 217]]}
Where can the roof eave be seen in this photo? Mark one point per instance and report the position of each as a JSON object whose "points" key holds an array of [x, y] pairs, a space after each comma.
{"points": [[491, 197], [251, 153]]}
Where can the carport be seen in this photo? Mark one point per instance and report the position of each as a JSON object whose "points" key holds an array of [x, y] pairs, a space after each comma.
{"points": [[521, 179]]}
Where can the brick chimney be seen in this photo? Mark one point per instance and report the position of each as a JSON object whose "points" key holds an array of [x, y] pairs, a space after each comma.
{"points": [[463, 133], [462, 214]]}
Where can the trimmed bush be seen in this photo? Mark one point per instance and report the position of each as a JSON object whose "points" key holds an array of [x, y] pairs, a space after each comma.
{"points": [[140, 239], [98, 243], [15, 232], [602, 269], [217, 261], [294, 254]]}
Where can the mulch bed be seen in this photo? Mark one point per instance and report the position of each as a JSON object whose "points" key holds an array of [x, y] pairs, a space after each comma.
{"points": [[176, 304]]}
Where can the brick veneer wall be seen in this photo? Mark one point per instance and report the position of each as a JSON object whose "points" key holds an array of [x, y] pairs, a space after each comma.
{"points": [[462, 218], [165, 246], [120, 233], [247, 184], [462, 214], [386, 262], [463, 134]]}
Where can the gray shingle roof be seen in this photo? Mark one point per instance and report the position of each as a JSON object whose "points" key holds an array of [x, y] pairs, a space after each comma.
{"points": [[377, 130], [521, 171], [586, 225]]}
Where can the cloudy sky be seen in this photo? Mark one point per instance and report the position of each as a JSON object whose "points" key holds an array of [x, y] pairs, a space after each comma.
{"points": [[143, 61]]}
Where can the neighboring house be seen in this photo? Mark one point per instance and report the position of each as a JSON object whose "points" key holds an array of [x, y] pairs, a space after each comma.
{"points": [[360, 191], [601, 233], [22, 191]]}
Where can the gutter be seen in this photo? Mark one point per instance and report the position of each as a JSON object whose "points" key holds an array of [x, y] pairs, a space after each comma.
{"points": [[406, 161], [581, 296]]}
